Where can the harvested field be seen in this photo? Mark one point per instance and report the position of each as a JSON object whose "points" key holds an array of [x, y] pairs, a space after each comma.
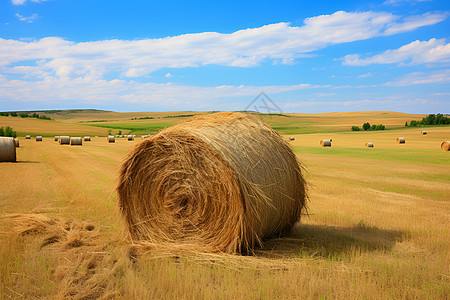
{"points": [[378, 235]]}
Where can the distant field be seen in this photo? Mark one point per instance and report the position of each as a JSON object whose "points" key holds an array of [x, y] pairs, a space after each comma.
{"points": [[378, 223], [91, 122]]}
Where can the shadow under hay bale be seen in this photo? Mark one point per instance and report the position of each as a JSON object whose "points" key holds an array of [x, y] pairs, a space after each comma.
{"points": [[369, 144], [130, 138], [445, 146], [64, 140], [7, 149], [219, 182], [325, 143], [400, 140], [76, 141]]}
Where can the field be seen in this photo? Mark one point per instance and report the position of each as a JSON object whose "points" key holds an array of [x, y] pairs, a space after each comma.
{"points": [[377, 224]]}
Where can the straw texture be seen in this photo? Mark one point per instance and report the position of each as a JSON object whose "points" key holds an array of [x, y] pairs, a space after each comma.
{"points": [[7, 149], [445, 146], [220, 182]]}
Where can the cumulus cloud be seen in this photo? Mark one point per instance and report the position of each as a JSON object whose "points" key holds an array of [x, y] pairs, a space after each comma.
{"points": [[29, 19], [440, 76], [398, 2], [276, 43], [417, 52]]}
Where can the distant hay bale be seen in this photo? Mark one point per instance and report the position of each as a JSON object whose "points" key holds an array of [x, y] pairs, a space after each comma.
{"points": [[325, 143], [423, 132], [369, 144], [400, 140], [64, 140], [16, 143], [28, 137], [130, 137], [445, 146], [292, 139], [76, 141], [111, 139], [56, 138], [7, 149], [87, 138], [218, 182], [39, 138]]}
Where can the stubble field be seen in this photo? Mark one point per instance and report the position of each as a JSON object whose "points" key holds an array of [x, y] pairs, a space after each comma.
{"points": [[377, 224]]}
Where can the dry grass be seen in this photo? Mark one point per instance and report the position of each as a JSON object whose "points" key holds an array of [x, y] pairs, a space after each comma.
{"points": [[375, 235]]}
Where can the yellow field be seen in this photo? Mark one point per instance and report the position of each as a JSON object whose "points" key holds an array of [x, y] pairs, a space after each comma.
{"points": [[378, 223]]}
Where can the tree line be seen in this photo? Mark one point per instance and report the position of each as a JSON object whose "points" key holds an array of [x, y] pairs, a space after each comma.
{"points": [[367, 126], [7, 132], [24, 115], [432, 119]]}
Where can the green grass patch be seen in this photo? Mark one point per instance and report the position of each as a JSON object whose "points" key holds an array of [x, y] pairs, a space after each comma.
{"points": [[398, 155], [134, 127]]}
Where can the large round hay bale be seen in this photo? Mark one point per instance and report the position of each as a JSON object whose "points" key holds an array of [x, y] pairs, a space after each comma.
{"points": [[218, 182], [76, 141], [111, 139], [16, 143], [56, 138], [423, 132], [445, 146], [400, 140], [64, 140], [369, 144], [28, 137], [87, 138], [325, 143], [39, 138], [130, 137], [7, 149]]}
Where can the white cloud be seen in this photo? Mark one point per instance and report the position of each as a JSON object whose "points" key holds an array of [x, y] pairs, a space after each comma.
{"points": [[368, 74], [22, 2], [29, 19], [441, 76], [417, 52], [276, 43], [168, 75]]}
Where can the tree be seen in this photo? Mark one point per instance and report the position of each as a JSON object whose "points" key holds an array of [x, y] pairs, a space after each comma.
{"points": [[374, 127], [109, 131], [366, 126], [355, 128], [2, 131], [120, 132], [406, 124]]}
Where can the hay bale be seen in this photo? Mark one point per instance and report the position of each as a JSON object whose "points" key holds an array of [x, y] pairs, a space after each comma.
{"points": [[325, 143], [16, 143], [28, 137], [217, 182], [56, 138], [64, 140], [39, 138], [445, 146], [369, 144], [111, 139], [76, 141], [7, 149], [292, 139], [130, 137], [87, 138], [400, 140], [423, 132]]}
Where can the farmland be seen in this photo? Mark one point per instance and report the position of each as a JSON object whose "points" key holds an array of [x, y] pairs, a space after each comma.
{"points": [[377, 223]]}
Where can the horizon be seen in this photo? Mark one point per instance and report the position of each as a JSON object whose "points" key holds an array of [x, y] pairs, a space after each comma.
{"points": [[285, 57]]}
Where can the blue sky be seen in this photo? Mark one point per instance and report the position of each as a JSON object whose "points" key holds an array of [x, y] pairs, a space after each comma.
{"points": [[307, 56]]}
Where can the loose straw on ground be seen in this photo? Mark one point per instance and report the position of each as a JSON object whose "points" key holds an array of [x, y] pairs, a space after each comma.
{"points": [[7, 149], [218, 182]]}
